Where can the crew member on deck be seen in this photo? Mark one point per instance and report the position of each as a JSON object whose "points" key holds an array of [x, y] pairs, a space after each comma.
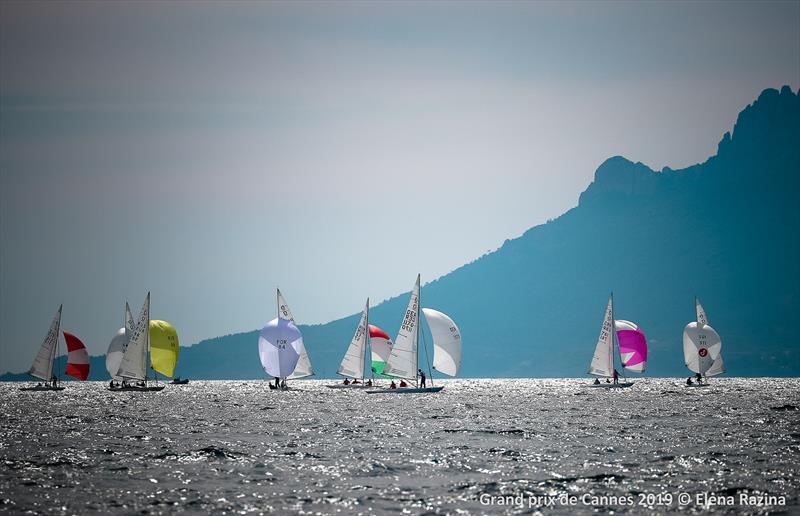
{"points": [[421, 378], [616, 376]]}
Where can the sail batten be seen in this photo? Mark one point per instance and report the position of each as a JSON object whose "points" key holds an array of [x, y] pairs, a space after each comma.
{"points": [[402, 361], [42, 366], [353, 361]]}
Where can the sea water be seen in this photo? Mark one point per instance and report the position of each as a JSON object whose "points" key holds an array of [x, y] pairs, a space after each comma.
{"points": [[478, 446]]}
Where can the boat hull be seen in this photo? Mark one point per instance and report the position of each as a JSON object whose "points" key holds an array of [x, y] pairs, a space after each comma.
{"points": [[131, 388], [406, 390], [697, 385], [620, 385], [351, 386], [41, 388], [180, 382]]}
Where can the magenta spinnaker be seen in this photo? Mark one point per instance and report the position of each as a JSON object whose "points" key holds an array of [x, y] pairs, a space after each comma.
{"points": [[632, 345]]}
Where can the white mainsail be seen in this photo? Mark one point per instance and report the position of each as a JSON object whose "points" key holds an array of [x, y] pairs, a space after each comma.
{"points": [[353, 362], [446, 342], [303, 367], [279, 344], [701, 314], [603, 359], [134, 361], [43, 363], [402, 362]]}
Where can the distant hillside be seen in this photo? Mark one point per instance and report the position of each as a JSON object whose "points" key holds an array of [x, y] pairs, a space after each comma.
{"points": [[725, 230]]}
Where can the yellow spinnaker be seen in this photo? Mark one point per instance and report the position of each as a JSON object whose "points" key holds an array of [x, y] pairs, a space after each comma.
{"points": [[163, 347]]}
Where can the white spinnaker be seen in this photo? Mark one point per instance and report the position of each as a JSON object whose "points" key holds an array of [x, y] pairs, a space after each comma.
{"points": [[603, 359], [402, 361], [701, 347], [43, 363], [134, 362], [718, 367], [353, 362], [303, 367], [446, 342], [701, 313], [279, 345], [116, 350]]}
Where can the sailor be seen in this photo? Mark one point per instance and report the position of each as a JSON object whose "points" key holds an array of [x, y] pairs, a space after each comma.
{"points": [[369, 382], [616, 376], [393, 385], [283, 384], [421, 378], [346, 381], [597, 381], [699, 378], [689, 381], [111, 384], [403, 383]]}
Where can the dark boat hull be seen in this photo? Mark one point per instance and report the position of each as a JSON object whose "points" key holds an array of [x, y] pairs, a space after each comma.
{"points": [[406, 390], [42, 388], [620, 385], [132, 388]]}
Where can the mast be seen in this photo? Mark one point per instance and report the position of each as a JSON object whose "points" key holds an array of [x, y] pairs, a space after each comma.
{"points": [[416, 338], [366, 341], [56, 348], [615, 341]]}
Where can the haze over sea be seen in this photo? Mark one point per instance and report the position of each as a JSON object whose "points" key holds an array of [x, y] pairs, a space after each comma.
{"points": [[234, 446]]}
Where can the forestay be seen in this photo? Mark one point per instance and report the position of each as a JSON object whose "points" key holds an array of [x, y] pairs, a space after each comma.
{"points": [[279, 345], [402, 361], [603, 359], [134, 361], [43, 363], [353, 362], [446, 342], [303, 367], [632, 345]]}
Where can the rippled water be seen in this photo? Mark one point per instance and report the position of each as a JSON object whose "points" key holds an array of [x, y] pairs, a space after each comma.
{"points": [[238, 447]]}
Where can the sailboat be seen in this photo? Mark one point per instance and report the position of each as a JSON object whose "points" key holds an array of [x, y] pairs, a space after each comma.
{"points": [[404, 357], [702, 348], [628, 339], [280, 345], [303, 368], [133, 366], [42, 368], [354, 360]]}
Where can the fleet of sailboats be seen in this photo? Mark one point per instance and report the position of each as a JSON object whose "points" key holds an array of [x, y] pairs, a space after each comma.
{"points": [[283, 355], [42, 367], [702, 348]]}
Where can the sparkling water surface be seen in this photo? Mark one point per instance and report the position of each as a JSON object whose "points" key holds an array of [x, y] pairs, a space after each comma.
{"points": [[237, 447]]}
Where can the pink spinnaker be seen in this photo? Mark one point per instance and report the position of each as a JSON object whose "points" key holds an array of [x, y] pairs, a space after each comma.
{"points": [[632, 345]]}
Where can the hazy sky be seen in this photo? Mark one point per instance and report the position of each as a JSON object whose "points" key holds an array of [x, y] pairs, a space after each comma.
{"points": [[210, 152]]}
